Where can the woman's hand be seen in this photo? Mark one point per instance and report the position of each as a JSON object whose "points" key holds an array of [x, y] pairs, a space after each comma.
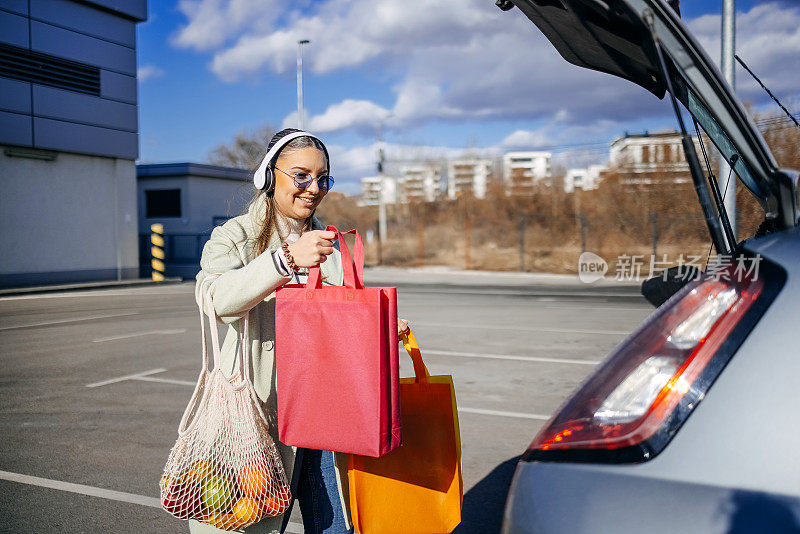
{"points": [[312, 248], [402, 328]]}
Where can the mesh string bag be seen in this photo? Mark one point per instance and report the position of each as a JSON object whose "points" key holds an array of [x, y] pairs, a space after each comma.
{"points": [[224, 469]]}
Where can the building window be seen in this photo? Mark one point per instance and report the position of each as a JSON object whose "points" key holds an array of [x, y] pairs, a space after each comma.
{"points": [[163, 203]]}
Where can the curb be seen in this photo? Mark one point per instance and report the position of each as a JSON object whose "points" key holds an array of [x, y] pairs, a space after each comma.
{"points": [[135, 282]]}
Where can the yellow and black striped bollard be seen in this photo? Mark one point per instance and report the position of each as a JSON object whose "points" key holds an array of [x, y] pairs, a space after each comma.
{"points": [[157, 251]]}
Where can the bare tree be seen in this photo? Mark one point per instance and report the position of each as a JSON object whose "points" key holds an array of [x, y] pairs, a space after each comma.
{"points": [[245, 151]]}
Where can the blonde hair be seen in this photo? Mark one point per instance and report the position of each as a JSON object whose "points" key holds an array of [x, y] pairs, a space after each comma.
{"points": [[268, 225]]}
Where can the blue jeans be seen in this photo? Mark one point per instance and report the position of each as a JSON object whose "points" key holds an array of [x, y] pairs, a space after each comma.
{"points": [[318, 494]]}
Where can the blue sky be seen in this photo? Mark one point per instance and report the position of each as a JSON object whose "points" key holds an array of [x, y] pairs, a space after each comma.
{"points": [[438, 77]]}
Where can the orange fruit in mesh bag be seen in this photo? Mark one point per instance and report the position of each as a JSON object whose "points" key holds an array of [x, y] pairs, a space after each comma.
{"points": [[278, 503], [255, 480], [248, 510], [223, 520]]}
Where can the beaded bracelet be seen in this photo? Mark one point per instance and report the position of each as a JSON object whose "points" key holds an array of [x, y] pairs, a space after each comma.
{"points": [[288, 255]]}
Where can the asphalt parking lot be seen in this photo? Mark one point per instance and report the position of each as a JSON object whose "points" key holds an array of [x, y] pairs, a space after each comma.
{"points": [[94, 383]]}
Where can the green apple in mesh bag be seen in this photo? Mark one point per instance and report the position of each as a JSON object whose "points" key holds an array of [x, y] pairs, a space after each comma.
{"points": [[218, 492]]}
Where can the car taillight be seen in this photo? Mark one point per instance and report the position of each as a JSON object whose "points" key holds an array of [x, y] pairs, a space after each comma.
{"points": [[633, 404]]}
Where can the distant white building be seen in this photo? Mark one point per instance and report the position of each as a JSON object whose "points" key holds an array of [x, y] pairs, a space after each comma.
{"points": [[469, 174], [524, 170], [583, 179], [419, 182], [375, 189], [648, 158]]}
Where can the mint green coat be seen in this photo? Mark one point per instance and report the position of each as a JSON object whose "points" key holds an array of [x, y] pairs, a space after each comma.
{"points": [[248, 283]]}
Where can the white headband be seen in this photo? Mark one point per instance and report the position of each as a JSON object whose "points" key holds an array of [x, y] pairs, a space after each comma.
{"points": [[260, 176]]}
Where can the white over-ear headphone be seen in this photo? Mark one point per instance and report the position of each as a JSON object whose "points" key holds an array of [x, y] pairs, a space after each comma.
{"points": [[264, 177]]}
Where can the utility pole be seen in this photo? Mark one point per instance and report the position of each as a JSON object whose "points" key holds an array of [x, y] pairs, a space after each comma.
{"points": [[382, 195], [300, 117], [728, 72]]}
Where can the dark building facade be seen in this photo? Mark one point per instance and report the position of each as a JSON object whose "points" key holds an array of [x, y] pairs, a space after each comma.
{"points": [[68, 140], [188, 200]]}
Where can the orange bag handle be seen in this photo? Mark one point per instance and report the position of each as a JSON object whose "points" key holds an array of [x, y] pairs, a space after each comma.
{"points": [[410, 343]]}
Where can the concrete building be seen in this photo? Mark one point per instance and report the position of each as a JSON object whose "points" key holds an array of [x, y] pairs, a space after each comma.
{"points": [[522, 171], [650, 158], [68, 140], [583, 179], [468, 175], [419, 183], [189, 199], [375, 188]]}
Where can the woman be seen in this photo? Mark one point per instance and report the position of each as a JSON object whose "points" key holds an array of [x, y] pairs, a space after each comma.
{"points": [[272, 244]]}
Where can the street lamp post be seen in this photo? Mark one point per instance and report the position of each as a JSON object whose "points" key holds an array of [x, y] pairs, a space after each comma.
{"points": [[300, 118], [728, 72], [382, 194]]}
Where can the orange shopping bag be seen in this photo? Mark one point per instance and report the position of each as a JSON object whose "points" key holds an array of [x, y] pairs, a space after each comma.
{"points": [[416, 488]]}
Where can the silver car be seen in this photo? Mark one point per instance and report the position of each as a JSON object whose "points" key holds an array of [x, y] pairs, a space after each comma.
{"points": [[691, 424]]}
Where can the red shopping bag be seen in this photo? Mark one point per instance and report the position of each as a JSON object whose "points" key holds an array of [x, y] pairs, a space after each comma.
{"points": [[337, 373]]}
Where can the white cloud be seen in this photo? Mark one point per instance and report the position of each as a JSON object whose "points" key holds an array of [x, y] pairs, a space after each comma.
{"points": [[352, 162], [526, 138], [348, 33], [768, 40], [361, 115], [147, 72], [455, 60], [213, 22], [350, 114]]}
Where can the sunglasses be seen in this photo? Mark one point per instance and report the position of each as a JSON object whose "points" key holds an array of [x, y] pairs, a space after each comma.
{"points": [[303, 180]]}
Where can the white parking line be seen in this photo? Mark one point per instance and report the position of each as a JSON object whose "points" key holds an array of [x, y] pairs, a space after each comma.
{"points": [[144, 377], [526, 329], [100, 292], [81, 489], [136, 334], [102, 493], [124, 378], [510, 357], [164, 380], [73, 320], [504, 414]]}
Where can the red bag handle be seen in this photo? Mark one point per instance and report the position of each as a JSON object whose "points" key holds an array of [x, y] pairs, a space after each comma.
{"points": [[353, 267]]}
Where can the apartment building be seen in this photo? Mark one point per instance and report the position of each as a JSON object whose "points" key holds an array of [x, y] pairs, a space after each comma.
{"points": [[468, 175], [583, 179], [522, 171], [375, 189], [419, 183], [650, 158]]}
